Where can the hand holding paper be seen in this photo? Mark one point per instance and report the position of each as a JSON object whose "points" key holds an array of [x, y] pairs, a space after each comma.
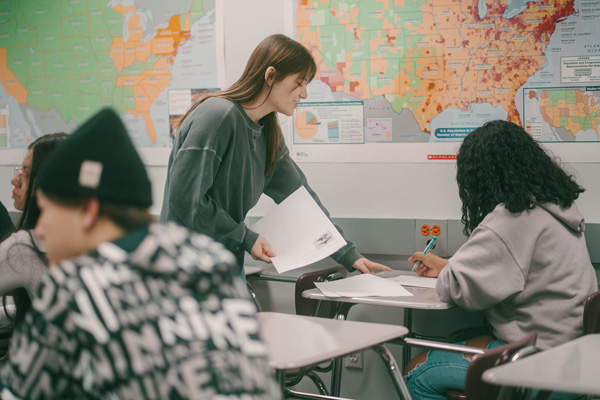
{"points": [[299, 232], [261, 250]]}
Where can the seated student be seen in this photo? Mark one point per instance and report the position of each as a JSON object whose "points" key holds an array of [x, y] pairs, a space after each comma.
{"points": [[24, 179], [526, 264], [129, 309], [22, 260]]}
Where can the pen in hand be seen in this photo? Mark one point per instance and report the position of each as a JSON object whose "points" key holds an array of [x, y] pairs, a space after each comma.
{"points": [[430, 246]]}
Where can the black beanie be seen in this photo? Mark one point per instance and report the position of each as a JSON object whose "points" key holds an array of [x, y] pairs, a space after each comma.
{"points": [[98, 160]]}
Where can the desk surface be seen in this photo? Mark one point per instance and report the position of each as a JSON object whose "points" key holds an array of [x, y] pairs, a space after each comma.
{"points": [[423, 298], [269, 273], [296, 341], [571, 367], [253, 269]]}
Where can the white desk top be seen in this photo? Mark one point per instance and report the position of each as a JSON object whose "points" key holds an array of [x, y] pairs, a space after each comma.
{"points": [[296, 341], [423, 298], [572, 367], [252, 269]]}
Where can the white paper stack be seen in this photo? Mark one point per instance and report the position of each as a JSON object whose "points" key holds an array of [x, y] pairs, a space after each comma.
{"points": [[363, 285], [414, 280]]}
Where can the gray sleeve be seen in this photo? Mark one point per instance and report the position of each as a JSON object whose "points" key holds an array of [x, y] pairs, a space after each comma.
{"points": [[481, 274], [286, 179], [191, 176], [20, 266]]}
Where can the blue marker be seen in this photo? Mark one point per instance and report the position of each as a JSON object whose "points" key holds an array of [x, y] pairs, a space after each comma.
{"points": [[430, 246]]}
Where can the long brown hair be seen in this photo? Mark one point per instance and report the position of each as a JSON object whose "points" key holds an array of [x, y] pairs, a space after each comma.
{"points": [[288, 57]]}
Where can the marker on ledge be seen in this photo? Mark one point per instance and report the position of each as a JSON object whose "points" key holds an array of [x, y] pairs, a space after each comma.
{"points": [[430, 246]]}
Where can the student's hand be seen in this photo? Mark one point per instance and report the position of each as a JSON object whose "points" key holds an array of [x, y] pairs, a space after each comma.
{"points": [[431, 265], [369, 267], [260, 250]]}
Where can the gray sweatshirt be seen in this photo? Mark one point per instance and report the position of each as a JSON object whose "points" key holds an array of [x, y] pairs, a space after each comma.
{"points": [[216, 174], [20, 266], [529, 272]]}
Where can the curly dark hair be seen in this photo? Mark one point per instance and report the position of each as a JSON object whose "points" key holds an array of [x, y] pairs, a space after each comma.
{"points": [[501, 163]]}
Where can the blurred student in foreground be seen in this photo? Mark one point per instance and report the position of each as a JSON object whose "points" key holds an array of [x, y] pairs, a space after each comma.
{"points": [[129, 309], [526, 264]]}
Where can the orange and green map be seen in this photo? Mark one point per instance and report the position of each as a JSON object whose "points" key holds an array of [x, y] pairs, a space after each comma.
{"points": [[61, 61], [574, 110], [436, 59]]}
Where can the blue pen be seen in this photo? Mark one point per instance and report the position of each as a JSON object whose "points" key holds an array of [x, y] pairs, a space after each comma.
{"points": [[430, 246]]}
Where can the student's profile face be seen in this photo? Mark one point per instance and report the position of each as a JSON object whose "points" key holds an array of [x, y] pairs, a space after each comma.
{"points": [[20, 181], [61, 229], [287, 92]]}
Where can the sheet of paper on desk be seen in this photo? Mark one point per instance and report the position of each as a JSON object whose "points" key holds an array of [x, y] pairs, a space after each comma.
{"points": [[417, 281], [363, 285], [298, 232]]}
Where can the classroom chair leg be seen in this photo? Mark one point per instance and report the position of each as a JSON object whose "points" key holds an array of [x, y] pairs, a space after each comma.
{"points": [[394, 371], [318, 382], [254, 297], [292, 394], [336, 376]]}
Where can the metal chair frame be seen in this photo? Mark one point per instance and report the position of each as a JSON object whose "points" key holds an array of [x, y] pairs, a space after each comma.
{"points": [[475, 388]]}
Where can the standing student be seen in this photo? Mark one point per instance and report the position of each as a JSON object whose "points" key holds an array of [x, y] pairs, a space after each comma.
{"points": [[129, 309], [525, 264], [229, 150]]}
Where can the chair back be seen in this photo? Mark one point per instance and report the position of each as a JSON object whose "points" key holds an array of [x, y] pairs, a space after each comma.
{"points": [[307, 281], [591, 314], [475, 387]]}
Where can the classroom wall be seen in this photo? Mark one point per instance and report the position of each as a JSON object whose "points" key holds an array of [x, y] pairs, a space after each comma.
{"points": [[361, 190]]}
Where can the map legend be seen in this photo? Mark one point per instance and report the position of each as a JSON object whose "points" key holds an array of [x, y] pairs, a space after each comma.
{"points": [[333, 130], [336, 122]]}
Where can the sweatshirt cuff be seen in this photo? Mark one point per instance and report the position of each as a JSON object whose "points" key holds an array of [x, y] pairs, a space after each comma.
{"points": [[347, 258], [249, 240]]}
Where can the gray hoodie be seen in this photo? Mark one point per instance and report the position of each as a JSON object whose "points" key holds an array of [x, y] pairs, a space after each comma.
{"points": [[529, 271]]}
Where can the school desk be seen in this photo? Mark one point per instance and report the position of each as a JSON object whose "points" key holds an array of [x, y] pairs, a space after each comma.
{"points": [[423, 299], [269, 273], [571, 367], [296, 341]]}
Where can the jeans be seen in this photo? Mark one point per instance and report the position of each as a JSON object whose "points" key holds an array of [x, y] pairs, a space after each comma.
{"points": [[442, 370]]}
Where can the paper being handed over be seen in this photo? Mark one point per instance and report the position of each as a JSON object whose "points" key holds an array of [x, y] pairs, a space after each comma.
{"points": [[299, 232]]}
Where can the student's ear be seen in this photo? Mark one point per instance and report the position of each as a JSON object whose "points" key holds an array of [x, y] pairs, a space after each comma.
{"points": [[90, 213], [270, 75]]}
